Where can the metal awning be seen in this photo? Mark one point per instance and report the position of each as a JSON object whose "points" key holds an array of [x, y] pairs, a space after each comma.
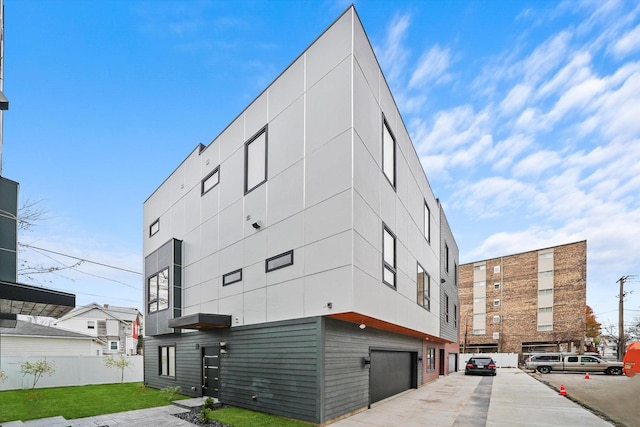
{"points": [[17, 298], [201, 321]]}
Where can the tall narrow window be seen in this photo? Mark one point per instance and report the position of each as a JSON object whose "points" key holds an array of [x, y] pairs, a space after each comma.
{"points": [[427, 222], [388, 153], [446, 257], [155, 227], [424, 288], [158, 291], [255, 161], [389, 257], [167, 361], [446, 308], [455, 315], [455, 274]]}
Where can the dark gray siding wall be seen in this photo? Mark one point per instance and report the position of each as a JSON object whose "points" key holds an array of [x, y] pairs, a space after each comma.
{"points": [[448, 285], [188, 359], [346, 380], [275, 368]]}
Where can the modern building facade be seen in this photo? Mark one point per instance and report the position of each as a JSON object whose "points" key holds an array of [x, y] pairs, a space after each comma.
{"points": [[532, 301], [293, 265], [118, 327]]}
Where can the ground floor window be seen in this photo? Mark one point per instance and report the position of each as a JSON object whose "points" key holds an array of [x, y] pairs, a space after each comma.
{"points": [[168, 361], [431, 359]]}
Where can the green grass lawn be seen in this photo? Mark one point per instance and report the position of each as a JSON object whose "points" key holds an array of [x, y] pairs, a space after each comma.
{"points": [[79, 402], [245, 418]]}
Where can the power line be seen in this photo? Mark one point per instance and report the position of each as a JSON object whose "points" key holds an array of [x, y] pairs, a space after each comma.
{"points": [[80, 259]]}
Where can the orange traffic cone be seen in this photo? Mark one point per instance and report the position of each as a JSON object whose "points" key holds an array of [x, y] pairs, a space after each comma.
{"points": [[563, 391], [586, 376]]}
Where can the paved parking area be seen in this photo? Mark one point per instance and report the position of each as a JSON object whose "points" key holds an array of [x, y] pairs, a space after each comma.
{"points": [[615, 396]]}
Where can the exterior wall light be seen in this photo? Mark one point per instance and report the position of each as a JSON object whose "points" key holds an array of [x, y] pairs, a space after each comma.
{"points": [[362, 325]]}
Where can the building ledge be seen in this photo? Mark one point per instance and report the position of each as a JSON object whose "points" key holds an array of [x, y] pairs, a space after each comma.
{"points": [[17, 298], [201, 321]]}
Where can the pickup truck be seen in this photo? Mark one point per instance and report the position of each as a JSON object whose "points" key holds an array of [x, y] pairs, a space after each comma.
{"points": [[547, 362]]}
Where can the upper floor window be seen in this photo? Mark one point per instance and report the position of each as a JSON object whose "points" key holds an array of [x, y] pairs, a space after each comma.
{"points": [[496, 269], [446, 308], [455, 274], [388, 153], [446, 257], [210, 181], [232, 277], [91, 324], [255, 160], [158, 291], [279, 261], [155, 227], [455, 315], [389, 257], [427, 222], [114, 345], [424, 288]]}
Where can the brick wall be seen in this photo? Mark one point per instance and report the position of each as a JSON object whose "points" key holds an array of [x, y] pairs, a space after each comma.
{"points": [[518, 307]]}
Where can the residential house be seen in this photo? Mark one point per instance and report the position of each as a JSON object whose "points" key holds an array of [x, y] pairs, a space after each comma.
{"points": [[293, 265], [119, 327], [526, 302], [32, 339]]}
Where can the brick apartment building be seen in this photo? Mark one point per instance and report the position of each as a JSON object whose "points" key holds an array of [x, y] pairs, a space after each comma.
{"points": [[532, 301]]}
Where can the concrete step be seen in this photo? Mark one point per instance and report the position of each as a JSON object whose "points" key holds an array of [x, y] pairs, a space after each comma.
{"points": [[42, 422]]}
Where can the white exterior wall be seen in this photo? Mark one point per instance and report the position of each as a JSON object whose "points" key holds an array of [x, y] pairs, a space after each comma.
{"points": [[49, 346], [325, 197], [77, 324]]}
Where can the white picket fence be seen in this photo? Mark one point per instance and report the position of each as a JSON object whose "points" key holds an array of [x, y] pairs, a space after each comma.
{"points": [[503, 360], [69, 371]]}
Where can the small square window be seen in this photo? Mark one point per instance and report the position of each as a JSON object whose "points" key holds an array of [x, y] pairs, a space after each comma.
{"points": [[496, 269], [496, 285], [155, 227], [113, 345], [480, 267], [91, 324], [496, 319], [279, 261], [210, 181], [496, 302], [233, 277]]}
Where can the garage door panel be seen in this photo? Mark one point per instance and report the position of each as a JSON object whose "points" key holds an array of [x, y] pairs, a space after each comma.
{"points": [[391, 373]]}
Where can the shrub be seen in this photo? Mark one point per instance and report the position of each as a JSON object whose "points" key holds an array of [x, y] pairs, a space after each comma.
{"points": [[209, 403], [120, 363], [205, 413], [170, 393], [3, 376]]}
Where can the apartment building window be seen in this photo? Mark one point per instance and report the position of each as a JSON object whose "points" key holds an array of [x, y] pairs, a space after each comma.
{"points": [[455, 274], [455, 315], [427, 222], [545, 292], [232, 277], [446, 308], [431, 359], [546, 273], [542, 328], [496, 302], [167, 361], [496, 269], [496, 285], [388, 153], [545, 310], [91, 324], [388, 257], [479, 331], [480, 267], [446, 257], [255, 161], [114, 345], [424, 288], [210, 181], [496, 319], [155, 227], [158, 291], [279, 261]]}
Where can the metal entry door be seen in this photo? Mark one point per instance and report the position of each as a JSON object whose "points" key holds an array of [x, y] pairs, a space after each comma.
{"points": [[211, 371]]}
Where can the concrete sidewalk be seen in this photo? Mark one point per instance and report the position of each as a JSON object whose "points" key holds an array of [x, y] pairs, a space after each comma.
{"points": [[511, 398]]}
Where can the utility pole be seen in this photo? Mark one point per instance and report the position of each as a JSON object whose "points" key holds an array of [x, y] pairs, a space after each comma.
{"points": [[621, 337]]}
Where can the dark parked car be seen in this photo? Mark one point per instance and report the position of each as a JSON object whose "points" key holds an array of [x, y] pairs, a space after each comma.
{"points": [[482, 365]]}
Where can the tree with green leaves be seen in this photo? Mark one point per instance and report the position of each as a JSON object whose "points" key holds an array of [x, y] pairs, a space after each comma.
{"points": [[119, 363]]}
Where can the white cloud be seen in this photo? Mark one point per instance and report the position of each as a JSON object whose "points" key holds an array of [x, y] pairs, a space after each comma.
{"points": [[536, 163], [431, 67], [393, 56], [516, 99], [629, 43]]}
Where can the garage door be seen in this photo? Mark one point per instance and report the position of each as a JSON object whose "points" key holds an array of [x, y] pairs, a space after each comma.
{"points": [[453, 362], [392, 372]]}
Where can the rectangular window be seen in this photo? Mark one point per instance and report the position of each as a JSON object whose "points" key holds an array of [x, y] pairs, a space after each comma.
{"points": [[545, 328], [545, 255], [446, 308], [455, 315], [255, 160], [479, 332], [455, 274], [389, 257], [431, 359], [155, 227], [233, 277], [496, 285], [496, 319], [113, 345], [545, 310], [388, 153], [427, 222], [91, 324], [279, 261], [210, 181], [480, 267], [446, 257], [158, 291], [167, 361], [545, 273], [496, 269], [424, 288], [496, 302]]}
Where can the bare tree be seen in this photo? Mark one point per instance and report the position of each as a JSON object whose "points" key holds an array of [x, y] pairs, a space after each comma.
{"points": [[30, 215]]}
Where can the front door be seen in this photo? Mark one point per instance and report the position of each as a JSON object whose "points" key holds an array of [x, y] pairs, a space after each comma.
{"points": [[211, 371]]}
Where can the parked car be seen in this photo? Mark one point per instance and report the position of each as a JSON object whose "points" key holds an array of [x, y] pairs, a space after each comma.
{"points": [[547, 362], [483, 365]]}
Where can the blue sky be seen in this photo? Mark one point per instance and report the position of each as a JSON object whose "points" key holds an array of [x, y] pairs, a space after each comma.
{"points": [[526, 116]]}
